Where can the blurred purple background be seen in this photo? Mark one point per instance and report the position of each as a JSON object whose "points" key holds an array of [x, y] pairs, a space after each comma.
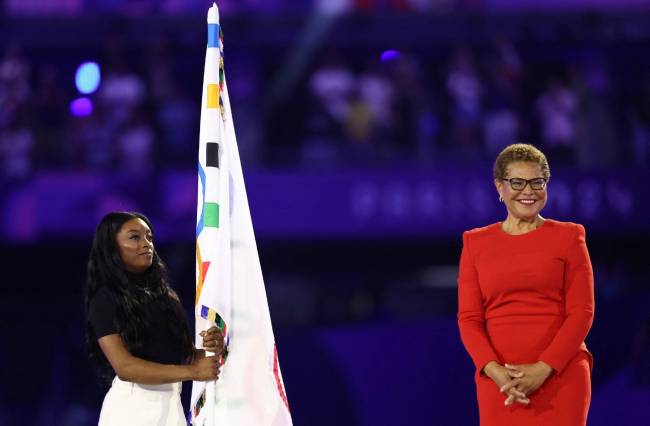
{"points": [[367, 129]]}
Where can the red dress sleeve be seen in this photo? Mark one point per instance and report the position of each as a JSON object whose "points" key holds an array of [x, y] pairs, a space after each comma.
{"points": [[579, 304], [471, 311]]}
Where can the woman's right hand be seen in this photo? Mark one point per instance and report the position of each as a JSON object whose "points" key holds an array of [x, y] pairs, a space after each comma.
{"points": [[501, 376], [205, 369]]}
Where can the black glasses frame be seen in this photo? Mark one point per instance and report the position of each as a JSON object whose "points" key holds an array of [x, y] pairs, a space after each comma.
{"points": [[527, 182]]}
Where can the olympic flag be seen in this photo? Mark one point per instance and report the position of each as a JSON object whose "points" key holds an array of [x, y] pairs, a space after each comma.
{"points": [[229, 284]]}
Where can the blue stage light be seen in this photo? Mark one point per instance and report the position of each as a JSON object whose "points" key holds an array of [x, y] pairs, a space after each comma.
{"points": [[88, 77], [390, 55], [81, 107]]}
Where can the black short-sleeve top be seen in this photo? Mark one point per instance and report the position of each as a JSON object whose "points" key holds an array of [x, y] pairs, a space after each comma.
{"points": [[158, 342]]}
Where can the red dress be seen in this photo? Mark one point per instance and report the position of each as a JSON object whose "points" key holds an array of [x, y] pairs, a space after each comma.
{"points": [[528, 298]]}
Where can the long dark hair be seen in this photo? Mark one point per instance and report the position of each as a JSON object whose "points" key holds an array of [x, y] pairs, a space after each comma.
{"points": [[106, 270]]}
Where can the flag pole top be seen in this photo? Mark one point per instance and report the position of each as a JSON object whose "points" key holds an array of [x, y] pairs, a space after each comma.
{"points": [[213, 14]]}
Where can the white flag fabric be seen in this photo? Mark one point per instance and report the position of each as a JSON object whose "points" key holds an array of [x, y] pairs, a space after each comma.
{"points": [[229, 284]]}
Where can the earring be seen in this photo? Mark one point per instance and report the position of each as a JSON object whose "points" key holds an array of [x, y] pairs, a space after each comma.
{"points": [[500, 199]]}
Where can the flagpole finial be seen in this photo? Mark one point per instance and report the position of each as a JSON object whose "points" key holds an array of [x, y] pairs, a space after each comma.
{"points": [[213, 14]]}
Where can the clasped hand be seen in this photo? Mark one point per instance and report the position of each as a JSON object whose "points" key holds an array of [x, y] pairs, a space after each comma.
{"points": [[518, 381], [213, 340], [206, 368]]}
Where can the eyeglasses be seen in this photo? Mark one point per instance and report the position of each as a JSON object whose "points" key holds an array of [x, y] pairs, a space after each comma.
{"points": [[518, 184]]}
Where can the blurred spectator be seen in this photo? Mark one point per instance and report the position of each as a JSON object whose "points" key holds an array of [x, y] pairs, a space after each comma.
{"points": [[501, 128], [505, 73], [176, 115], [330, 88], [596, 135], [177, 118], [557, 109], [370, 122], [135, 146], [359, 131], [89, 143], [501, 125], [465, 88], [160, 75], [15, 91], [332, 85], [412, 112], [49, 113], [16, 146], [122, 90], [244, 87], [378, 93], [641, 124]]}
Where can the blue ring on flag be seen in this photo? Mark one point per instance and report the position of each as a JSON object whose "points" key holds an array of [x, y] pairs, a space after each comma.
{"points": [[213, 35], [199, 226]]}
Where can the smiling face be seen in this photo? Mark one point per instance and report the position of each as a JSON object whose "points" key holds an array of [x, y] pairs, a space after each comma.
{"points": [[524, 204], [135, 244]]}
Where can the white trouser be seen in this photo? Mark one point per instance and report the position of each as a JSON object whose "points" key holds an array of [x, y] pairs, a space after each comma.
{"points": [[131, 404]]}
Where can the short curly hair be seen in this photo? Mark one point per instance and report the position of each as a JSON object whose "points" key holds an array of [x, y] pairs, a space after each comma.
{"points": [[520, 152]]}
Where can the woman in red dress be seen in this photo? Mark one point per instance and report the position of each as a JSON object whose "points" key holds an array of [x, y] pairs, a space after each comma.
{"points": [[526, 303]]}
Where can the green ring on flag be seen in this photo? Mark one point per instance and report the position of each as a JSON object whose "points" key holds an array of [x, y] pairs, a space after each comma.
{"points": [[211, 215]]}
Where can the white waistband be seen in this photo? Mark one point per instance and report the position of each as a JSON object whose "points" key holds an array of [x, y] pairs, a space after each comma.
{"points": [[164, 389]]}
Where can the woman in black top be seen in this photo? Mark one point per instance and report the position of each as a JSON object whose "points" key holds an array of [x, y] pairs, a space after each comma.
{"points": [[136, 329]]}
